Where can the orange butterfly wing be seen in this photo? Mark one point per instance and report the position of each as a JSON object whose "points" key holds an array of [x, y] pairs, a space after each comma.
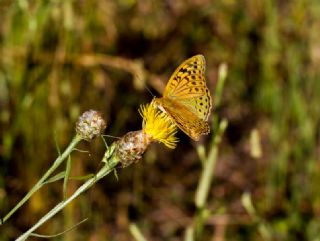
{"points": [[186, 98]]}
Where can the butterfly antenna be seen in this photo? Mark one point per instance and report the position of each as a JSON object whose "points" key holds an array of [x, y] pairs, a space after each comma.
{"points": [[149, 91], [144, 84]]}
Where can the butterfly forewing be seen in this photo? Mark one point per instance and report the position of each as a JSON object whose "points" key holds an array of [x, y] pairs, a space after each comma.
{"points": [[187, 85], [187, 80]]}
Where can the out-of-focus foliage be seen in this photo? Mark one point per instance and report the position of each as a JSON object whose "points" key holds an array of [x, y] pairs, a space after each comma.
{"points": [[59, 58]]}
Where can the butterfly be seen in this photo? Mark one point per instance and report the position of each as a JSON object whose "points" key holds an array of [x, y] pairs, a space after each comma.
{"points": [[186, 98]]}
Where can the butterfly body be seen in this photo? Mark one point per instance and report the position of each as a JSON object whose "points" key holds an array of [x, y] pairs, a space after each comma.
{"points": [[186, 98]]}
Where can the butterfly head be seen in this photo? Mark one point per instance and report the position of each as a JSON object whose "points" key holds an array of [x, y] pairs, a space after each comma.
{"points": [[158, 103]]}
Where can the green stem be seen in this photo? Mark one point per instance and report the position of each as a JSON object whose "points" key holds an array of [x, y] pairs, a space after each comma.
{"points": [[208, 169], [40, 183], [136, 233], [105, 170], [206, 177]]}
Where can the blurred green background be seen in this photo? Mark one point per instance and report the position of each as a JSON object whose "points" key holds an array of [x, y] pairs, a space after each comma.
{"points": [[60, 58]]}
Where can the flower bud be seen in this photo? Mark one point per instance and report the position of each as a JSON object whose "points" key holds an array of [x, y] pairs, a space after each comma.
{"points": [[90, 125], [131, 147]]}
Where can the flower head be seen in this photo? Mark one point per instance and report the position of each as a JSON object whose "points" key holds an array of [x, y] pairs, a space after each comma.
{"points": [[158, 125], [90, 124], [131, 147]]}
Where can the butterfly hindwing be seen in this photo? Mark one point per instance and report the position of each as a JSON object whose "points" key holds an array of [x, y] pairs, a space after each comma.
{"points": [[186, 120], [200, 106]]}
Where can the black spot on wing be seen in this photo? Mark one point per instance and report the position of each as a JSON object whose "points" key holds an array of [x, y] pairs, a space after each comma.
{"points": [[183, 70]]}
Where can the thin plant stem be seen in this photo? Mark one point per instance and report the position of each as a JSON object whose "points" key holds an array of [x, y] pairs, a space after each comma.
{"points": [[189, 233], [208, 170], [136, 233], [206, 177], [110, 163], [43, 179], [263, 227], [223, 71]]}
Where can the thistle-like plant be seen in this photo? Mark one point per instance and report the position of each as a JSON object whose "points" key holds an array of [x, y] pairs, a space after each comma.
{"points": [[156, 127]]}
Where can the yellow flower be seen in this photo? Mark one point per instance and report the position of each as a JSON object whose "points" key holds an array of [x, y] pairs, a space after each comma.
{"points": [[158, 125]]}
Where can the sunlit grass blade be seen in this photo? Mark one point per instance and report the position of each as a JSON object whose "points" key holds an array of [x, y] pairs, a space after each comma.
{"points": [[56, 177]]}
